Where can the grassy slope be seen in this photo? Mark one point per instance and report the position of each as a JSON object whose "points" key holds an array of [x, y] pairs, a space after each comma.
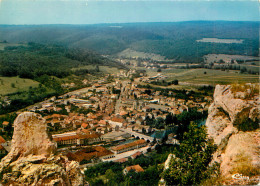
{"points": [[128, 53], [21, 84]]}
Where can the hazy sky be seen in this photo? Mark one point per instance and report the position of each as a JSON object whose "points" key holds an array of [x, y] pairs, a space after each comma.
{"points": [[121, 11]]}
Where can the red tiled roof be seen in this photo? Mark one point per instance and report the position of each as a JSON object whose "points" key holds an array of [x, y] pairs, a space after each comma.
{"points": [[120, 147], [118, 120], [123, 113], [84, 125], [137, 168], [56, 115], [2, 140], [136, 154], [5, 123], [103, 122], [77, 136], [64, 138], [89, 153], [122, 160]]}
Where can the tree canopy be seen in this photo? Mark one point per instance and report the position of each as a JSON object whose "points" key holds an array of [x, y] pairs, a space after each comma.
{"points": [[192, 162]]}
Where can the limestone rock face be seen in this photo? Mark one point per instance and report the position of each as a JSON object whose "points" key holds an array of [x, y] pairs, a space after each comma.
{"points": [[30, 136], [226, 110], [237, 150], [32, 159], [242, 149]]}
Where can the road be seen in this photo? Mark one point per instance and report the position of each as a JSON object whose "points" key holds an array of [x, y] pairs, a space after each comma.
{"points": [[119, 101]]}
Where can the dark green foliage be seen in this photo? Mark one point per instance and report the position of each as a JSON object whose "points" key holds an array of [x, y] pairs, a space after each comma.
{"points": [[8, 131], [165, 83], [191, 164], [37, 60], [114, 175], [247, 124], [244, 123], [182, 121]]}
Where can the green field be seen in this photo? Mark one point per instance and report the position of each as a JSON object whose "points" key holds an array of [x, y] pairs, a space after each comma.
{"points": [[212, 77], [14, 84], [128, 53], [3, 45], [104, 69]]}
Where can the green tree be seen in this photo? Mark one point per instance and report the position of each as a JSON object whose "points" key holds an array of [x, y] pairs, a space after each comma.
{"points": [[109, 174], [191, 164], [12, 85]]}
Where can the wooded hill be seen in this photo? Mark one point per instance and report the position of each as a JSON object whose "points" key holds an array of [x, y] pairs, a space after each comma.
{"points": [[34, 60], [173, 40]]}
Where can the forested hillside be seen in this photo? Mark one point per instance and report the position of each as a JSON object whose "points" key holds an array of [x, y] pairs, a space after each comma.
{"points": [[43, 69], [173, 40]]}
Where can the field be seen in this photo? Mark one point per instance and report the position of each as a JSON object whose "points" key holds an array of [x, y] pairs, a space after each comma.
{"points": [[216, 40], [14, 84], [211, 58], [3, 45], [205, 76], [128, 53], [104, 69]]}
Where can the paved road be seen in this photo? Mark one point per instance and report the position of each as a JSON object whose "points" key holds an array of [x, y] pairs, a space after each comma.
{"points": [[119, 101]]}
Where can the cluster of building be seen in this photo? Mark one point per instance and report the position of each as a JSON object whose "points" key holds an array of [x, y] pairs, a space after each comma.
{"points": [[109, 114]]}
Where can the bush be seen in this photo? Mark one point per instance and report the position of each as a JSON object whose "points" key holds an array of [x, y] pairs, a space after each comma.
{"points": [[244, 166], [247, 125]]}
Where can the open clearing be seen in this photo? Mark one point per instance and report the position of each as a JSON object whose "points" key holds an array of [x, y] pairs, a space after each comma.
{"points": [[14, 84], [205, 76], [211, 58], [213, 77], [3, 45], [216, 40], [129, 53], [105, 69]]}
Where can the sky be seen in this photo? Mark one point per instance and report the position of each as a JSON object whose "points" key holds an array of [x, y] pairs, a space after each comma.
{"points": [[20, 12]]}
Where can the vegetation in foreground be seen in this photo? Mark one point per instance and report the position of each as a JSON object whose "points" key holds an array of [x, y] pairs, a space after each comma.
{"points": [[190, 166]]}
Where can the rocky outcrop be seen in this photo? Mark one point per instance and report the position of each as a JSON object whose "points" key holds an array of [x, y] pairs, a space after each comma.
{"points": [[33, 159], [241, 150], [237, 151], [228, 109]]}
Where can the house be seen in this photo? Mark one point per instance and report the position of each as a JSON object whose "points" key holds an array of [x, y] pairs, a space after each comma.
{"points": [[135, 155], [137, 168], [116, 122], [89, 153], [5, 125], [183, 108], [84, 125], [73, 138], [122, 160], [2, 149], [129, 146]]}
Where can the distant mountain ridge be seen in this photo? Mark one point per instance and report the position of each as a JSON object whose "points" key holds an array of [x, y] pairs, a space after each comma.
{"points": [[175, 40]]}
